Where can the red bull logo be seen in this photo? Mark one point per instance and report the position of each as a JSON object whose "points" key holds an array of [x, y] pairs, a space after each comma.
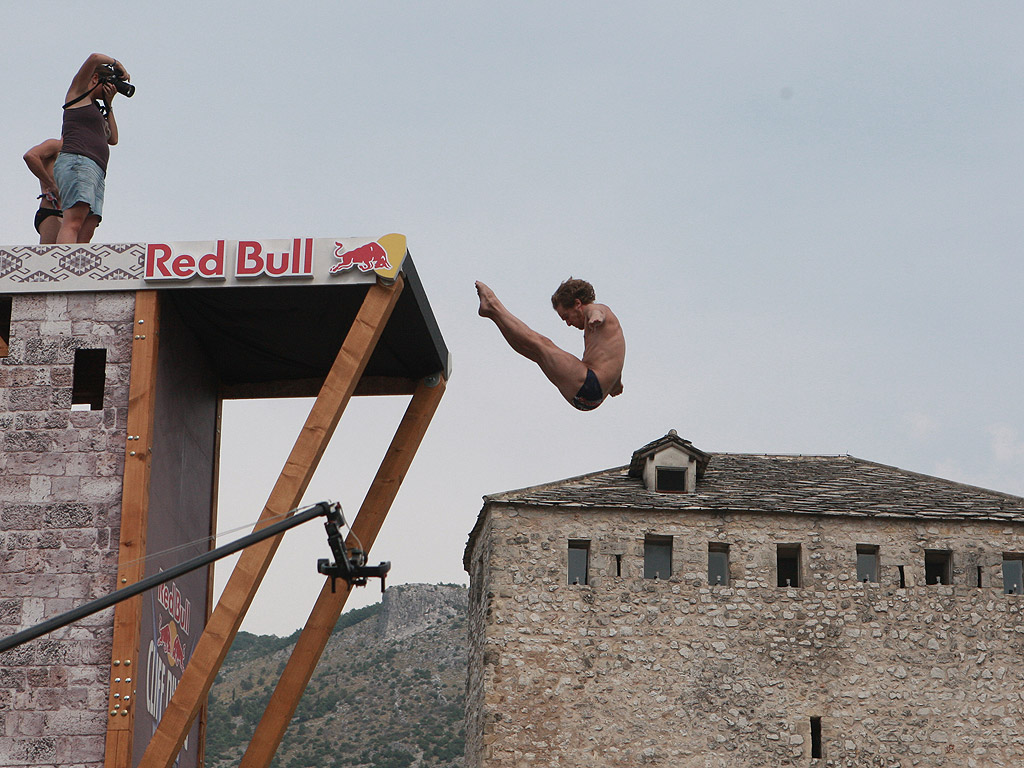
{"points": [[366, 258], [169, 642]]}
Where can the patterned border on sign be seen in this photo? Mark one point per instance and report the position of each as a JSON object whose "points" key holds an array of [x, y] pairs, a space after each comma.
{"points": [[49, 264]]}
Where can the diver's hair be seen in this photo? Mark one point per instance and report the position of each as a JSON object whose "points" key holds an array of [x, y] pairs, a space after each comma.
{"points": [[570, 290]]}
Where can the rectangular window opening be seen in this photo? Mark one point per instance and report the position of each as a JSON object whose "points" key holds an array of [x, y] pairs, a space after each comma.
{"points": [[5, 325], [579, 561], [903, 577], [1013, 574], [867, 563], [89, 379], [718, 565], [788, 565], [938, 566], [670, 479], [618, 565], [816, 737], [658, 557], [980, 572]]}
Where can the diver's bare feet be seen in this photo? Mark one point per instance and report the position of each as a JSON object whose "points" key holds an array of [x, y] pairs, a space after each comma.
{"points": [[488, 301], [616, 390]]}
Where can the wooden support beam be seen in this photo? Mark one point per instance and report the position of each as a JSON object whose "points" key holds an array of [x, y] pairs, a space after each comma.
{"points": [[324, 616], [214, 643], [131, 554]]}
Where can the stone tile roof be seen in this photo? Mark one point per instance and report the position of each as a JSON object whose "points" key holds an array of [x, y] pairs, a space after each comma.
{"points": [[820, 485], [810, 485]]}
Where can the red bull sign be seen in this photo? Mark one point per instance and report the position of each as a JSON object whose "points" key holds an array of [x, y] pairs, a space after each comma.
{"points": [[166, 655], [250, 260], [220, 263]]}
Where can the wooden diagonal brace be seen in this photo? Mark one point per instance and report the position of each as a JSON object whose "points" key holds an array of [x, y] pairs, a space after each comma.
{"points": [[328, 607]]}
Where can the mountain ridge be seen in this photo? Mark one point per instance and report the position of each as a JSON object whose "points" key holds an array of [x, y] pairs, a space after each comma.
{"points": [[389, 691]]}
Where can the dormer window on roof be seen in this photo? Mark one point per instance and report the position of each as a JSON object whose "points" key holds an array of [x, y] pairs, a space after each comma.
{"points": [[669, 464]]}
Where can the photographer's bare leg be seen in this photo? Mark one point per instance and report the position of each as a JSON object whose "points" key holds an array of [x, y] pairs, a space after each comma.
{"points": [[78, 224], [566, 371], [88, 228]]}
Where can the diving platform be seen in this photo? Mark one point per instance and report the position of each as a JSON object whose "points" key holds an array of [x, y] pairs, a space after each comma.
{"points": [[114, 362]]}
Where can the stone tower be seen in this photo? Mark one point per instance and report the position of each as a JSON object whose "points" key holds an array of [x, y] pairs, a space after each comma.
{"points": [[694, 610]]}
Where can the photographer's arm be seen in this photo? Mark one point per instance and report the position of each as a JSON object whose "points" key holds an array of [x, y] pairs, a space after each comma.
{"points": [[82, 80], [111, 122]]}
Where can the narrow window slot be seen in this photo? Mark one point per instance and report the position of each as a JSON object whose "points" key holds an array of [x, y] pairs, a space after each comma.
{"points": [[903, 577], [816, 737], [5, 325], [89, 379], [618, 565]]}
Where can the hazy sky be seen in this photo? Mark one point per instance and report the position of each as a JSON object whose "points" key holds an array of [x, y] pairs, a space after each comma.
{"points": [[806, 216]]}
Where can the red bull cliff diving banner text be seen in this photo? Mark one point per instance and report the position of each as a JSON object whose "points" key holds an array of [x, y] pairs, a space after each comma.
{"points": [[173, 620], [215, 263]]}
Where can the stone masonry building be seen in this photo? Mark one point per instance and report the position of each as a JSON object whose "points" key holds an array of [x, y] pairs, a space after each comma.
{"points": [[701, 610], [60, 505]]}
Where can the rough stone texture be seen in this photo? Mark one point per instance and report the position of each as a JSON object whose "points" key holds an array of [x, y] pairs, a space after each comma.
{"points": [[627, 671], [60, 497], [408, 609]]}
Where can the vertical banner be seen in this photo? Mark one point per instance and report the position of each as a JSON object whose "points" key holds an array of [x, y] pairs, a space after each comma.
{"points": [[173, 619], [182, 500]]}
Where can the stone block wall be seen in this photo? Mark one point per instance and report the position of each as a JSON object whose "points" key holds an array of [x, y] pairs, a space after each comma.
{"points": [[60, 495], [627, 671], [479, 719]]}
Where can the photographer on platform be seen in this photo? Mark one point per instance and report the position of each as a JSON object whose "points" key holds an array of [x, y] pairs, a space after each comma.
{"points": [[88, 131]]}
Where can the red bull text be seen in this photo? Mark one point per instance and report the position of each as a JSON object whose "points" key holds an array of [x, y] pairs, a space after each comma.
{"points": [[249, 259], [180, 608]]}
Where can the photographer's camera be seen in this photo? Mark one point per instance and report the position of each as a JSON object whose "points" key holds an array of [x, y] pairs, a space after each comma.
{"points": [[110, 75]]}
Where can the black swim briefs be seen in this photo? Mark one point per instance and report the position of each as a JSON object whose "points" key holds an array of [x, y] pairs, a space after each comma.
{"points": [[44, 213], [589, 396]]}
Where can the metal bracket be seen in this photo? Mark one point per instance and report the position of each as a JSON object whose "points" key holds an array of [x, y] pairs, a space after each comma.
{"points": [[349, 565]]}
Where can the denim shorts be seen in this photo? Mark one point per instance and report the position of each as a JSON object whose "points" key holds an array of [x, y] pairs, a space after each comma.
{"points": [[79, 180]]}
